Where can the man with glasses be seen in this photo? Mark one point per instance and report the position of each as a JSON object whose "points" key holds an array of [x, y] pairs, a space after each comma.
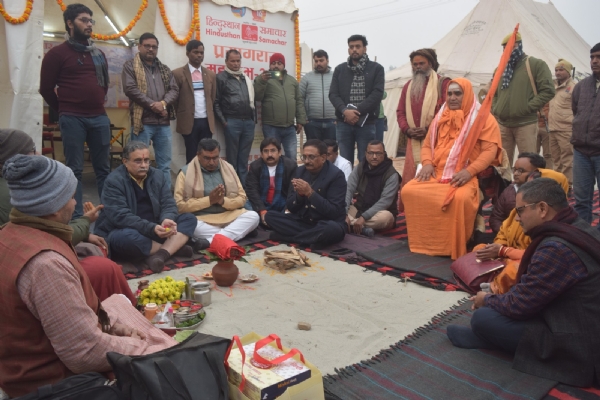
{"points": [[526, 164], [550, 320], [210, 188], [152, 91], [316, 205], [333, 155], [78, 71], [374, 184], [140, 221]]}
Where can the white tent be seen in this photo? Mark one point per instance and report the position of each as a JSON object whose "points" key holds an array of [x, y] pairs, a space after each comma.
{"points": [[472, 48]]}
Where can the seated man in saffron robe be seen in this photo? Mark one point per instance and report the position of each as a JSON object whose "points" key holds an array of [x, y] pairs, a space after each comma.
{"points": [[210, 188], [549, 320], [435, 228], [269, 178], [525, 165], [53, 324], [511, 242]]}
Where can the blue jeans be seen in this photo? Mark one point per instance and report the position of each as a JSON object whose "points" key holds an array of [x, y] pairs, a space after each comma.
{"points": [[287, 137], [95, 131], [239, 134], [320, 129], [586, 173], [130, 245], [200, 130], [379, 129], [496, 329], [160, 135], [347, 135]]}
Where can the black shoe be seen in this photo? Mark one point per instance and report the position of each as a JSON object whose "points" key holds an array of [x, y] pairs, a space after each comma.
{"points": [[200, 244]]}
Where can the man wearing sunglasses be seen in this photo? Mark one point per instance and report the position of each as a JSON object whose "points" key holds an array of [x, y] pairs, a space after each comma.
{"points": [[79, 72], [550, 319], [316, 202]]}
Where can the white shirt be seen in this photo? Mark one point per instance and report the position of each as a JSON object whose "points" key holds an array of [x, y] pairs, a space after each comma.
{"points": [[344, 165], [199, 99], [272, 170]]}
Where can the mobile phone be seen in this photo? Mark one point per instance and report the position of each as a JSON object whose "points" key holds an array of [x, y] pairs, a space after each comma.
{"points": [[275, 74]]}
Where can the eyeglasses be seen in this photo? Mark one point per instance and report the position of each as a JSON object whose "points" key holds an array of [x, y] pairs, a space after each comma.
{"points": [[519, 210], [375, 154], [209, 159], [519, 171], [87, 21], [150, 47], [310, 157]]}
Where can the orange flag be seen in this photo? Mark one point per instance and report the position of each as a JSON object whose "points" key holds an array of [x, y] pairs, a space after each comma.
{"points": [[484, 113]]}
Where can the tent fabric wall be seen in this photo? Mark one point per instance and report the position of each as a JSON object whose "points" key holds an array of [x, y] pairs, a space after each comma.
{"points": [[19, 84], [272, 6], [472, 48]]}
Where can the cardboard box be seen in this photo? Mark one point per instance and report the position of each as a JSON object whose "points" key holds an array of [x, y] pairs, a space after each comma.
{"points": [[291, 380]]}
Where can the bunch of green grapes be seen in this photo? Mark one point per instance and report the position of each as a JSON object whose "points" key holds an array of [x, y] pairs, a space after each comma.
{"points": [[162, 291]]}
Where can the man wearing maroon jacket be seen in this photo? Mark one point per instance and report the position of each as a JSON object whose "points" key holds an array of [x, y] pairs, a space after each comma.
{"points": [[80, 71]]}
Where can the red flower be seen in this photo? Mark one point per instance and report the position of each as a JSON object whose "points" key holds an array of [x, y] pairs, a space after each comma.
{"points": [[225, 248]]}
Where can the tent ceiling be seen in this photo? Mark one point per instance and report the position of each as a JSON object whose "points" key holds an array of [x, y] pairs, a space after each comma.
{"points": [[121, 12]]}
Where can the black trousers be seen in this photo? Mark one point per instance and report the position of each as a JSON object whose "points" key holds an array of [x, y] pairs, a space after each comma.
{"points": [[297, 230], [200, 130]]}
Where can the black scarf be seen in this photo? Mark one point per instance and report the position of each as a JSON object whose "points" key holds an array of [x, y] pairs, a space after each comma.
{"points": [[358, 87], [561, 227], [375, 184], [97, 58]]}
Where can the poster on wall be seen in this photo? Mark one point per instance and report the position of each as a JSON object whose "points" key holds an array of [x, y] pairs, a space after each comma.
{"points": [[255, 34], [116, 56]]}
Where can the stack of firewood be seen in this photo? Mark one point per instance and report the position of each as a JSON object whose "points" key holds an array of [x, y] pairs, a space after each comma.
{"points": [[283, 260]]}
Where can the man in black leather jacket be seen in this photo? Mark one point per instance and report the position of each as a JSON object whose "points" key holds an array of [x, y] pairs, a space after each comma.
{"points": [[234, 107]]}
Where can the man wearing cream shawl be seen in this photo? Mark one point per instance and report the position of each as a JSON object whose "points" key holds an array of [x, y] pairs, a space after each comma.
{"points": [[211, 189], [441, 202]]}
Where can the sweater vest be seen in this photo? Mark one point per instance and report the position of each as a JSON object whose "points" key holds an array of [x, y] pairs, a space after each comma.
{"points": [[27, 358]]}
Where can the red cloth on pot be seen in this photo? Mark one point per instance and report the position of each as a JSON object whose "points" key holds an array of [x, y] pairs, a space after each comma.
{"points": [[222, 246]]}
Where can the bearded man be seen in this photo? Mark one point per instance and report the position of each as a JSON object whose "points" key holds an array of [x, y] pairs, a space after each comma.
{"points": [[525, 88], [421, 99], [80, 71]]}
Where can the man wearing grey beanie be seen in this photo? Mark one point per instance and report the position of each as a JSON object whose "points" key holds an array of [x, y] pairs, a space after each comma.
{"points": [[42, 282]]}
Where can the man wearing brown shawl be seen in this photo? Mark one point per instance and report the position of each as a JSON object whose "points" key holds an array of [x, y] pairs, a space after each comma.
{"points": [[421, 99]]}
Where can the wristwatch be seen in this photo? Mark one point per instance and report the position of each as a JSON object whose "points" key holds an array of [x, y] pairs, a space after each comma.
{"points": [[164, 104]]}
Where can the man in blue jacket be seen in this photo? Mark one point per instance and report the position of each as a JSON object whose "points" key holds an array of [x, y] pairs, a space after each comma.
{"points": [[356, 92], [140, 221], [316, 202]]}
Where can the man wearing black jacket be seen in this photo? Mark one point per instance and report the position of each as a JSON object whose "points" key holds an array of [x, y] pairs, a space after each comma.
{"points": [[269, 178], [316, 202], [234, 107], [356, 92]]}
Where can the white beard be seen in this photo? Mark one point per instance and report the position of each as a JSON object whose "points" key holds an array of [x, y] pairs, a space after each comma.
{"points": [[419, 84]]}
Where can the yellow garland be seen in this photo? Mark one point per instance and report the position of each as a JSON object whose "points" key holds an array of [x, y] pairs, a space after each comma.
{"points": [[194, 27], [125, 31], [22, 19], [297, 43]]}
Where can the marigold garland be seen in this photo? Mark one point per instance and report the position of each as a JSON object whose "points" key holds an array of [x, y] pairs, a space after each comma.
{"points": [[194, 27], [125, 31], [297, 43], [20, 20]]}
